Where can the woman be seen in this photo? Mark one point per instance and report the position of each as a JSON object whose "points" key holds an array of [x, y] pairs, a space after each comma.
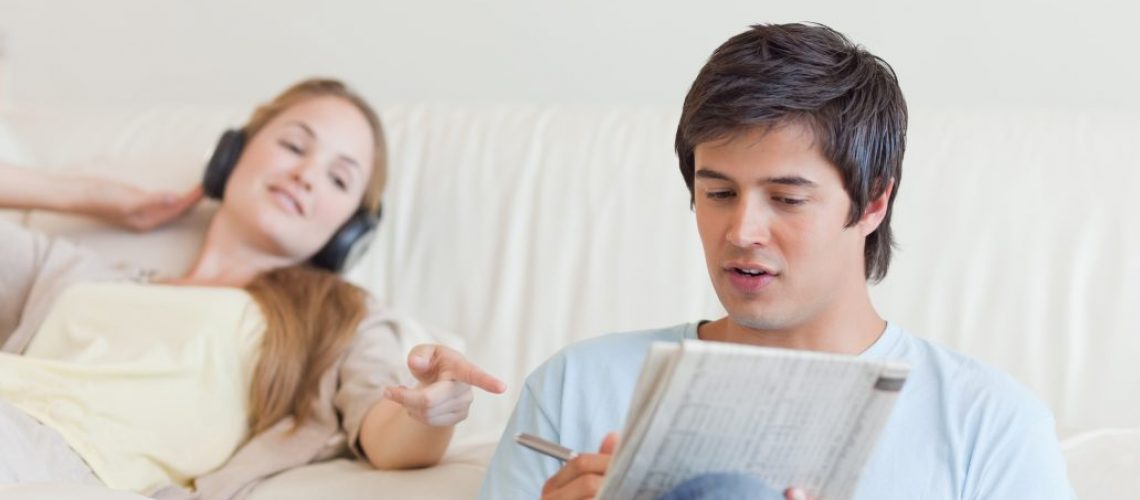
{"points": [[250, 363]]}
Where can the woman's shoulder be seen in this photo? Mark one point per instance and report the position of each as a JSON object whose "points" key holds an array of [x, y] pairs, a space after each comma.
{"points": [[35, 253], [385, 325]]}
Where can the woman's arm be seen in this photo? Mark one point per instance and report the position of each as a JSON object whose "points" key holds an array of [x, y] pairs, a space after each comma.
{"points": [[108, 200], [392, 439], [413, 426], [27, 189]]}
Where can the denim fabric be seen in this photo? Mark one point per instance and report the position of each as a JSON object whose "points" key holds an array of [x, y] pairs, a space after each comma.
{"points": [[722, 486]]}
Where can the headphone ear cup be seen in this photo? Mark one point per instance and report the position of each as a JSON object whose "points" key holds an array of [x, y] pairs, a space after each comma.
{"points": [[222, 163], [348, 244]]}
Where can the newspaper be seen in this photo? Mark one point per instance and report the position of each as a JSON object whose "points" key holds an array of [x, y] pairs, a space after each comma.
{"points": [[791, 418]]}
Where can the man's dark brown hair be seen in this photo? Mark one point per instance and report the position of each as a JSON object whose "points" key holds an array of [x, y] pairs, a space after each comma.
{"points": [[772, 75]]}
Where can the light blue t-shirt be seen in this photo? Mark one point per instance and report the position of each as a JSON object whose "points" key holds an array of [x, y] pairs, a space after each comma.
{"points": [[959, 430]]}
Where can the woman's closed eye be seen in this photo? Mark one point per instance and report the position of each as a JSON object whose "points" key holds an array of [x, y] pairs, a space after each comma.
{"points": [[292, 147], [339, 182]]}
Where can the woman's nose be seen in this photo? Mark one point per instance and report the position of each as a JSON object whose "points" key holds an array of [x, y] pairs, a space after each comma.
{"points": [[304, 174]]}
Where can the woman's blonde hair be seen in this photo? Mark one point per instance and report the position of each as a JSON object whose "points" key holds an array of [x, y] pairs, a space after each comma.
{"points": [[311, 315]]}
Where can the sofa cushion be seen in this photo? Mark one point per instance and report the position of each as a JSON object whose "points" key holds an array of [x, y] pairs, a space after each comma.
{"points": [[458, 476], [1103, 463], [43, 491]]}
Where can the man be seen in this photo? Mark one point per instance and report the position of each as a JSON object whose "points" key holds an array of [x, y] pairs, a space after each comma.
{"points": [[791, 142]]}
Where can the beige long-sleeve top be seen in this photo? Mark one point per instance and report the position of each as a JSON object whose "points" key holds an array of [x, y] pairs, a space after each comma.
{"points": [[36, 268]]}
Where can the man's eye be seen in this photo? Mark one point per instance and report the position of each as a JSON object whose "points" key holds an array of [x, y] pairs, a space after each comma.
{"points": [[789, 201], [719, 195]]}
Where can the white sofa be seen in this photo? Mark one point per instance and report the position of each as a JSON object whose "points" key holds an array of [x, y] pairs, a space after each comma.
{"points": [[525, 229]]}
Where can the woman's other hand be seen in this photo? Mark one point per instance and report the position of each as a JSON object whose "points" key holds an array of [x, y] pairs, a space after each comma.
{"points": [[111, 201], [132, 207], [444, 393]]}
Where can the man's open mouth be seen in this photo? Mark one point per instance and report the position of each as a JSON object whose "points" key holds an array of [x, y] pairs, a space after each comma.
{"points": [[749, 272]]}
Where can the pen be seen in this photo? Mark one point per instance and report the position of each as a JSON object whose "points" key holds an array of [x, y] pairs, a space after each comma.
{"points": [[545, 447]]}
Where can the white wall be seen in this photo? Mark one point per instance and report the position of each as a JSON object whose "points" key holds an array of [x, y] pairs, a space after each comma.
{"points": [[637, 52]]}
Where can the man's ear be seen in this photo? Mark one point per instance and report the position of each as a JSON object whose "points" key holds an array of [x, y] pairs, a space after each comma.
{"points": [[876, 210]]}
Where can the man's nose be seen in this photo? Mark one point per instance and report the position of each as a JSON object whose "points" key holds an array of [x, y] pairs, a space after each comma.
{"points": [[751, 223]]}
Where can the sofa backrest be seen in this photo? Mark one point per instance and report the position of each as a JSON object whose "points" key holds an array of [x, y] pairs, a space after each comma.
{"points": [[526, 229]]}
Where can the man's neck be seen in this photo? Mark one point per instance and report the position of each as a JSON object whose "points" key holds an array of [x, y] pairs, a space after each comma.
{"points": [[845, 330]]}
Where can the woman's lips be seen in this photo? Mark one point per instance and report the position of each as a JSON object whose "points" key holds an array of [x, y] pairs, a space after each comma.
{"points": [[286, 201]]}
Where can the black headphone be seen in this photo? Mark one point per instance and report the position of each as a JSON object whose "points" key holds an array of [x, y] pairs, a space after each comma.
{"points": [[346, 245]]}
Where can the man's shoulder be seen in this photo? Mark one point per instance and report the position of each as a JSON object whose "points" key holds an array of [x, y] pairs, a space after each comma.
{"points": [[605, 354], [623, 343], [970, 386], [981, 432]]}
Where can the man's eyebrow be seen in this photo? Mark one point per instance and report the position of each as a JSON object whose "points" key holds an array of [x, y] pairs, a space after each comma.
{"points": [[708, 173], [790, 180], [786, 180]]}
